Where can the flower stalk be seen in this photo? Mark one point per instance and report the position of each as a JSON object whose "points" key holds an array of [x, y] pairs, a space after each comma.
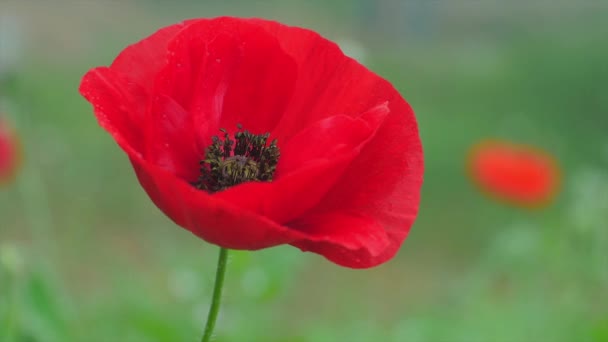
{"points": [[217, 294]]}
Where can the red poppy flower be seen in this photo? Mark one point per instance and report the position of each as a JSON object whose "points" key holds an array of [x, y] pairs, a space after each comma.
{"points": [[9, 153], [347, 182], [522, 175]]}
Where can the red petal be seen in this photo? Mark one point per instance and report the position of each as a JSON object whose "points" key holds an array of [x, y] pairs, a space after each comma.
{"points": [[163, 136], [10, 158], [207, 216], [522, 175], [171, 141], [227, 71], [325, 139], [383, 184], [328, 83], [312, 163], [381, 187], [361, 239], [120, 106], [141, 62]]}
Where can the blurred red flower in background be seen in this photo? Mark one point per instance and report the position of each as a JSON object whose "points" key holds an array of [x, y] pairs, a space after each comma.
{"points": [[10, 152], [522, 175], [347, 183]]}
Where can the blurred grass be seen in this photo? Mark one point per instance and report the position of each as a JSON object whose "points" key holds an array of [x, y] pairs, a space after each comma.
{"points": [[96, 261]]}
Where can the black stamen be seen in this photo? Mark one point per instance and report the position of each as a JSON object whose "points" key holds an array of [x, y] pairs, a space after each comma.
{"points": [[251, 160]]}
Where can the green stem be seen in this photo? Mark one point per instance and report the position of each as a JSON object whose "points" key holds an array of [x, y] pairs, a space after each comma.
{"points": [[217, 294]]}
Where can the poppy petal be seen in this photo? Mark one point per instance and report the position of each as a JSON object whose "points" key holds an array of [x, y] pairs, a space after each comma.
{"points": [[141, 62], [10, 153], [119, 105], [329, 83], [522, 175], [207, 216], [171, 142], [361, 240], [227, 72], [311, 163], [383, 190]]}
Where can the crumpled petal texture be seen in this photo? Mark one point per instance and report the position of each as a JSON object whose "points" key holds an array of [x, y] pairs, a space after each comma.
{"points": [[348, 182]]}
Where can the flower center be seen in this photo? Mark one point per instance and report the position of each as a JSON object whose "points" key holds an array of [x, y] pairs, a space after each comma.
{"points": [[249, 160]]}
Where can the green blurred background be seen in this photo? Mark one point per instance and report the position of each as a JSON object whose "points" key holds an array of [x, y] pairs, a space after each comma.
{"points": [[85, 256]]}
